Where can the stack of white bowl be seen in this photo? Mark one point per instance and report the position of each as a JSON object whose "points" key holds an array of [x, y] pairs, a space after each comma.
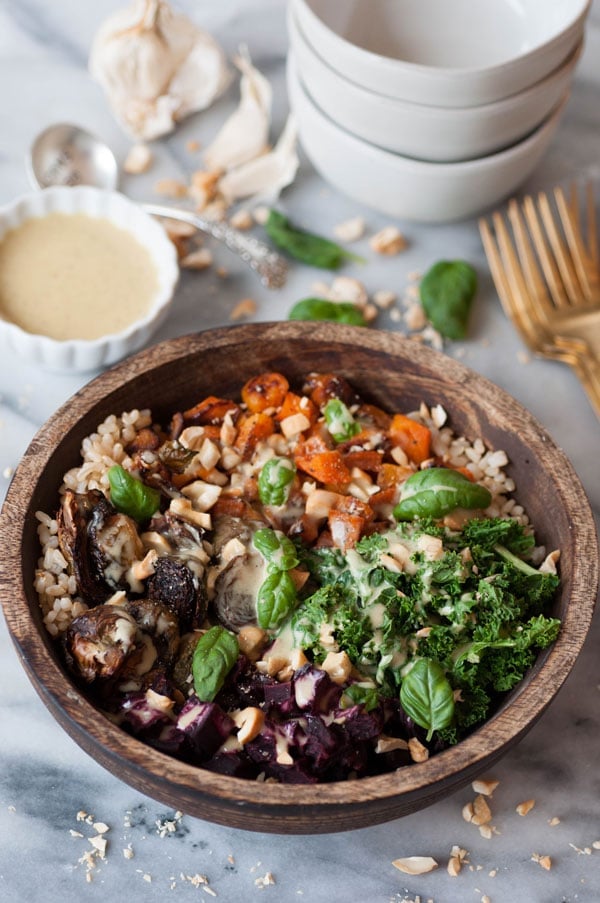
{"points": [[430, 110]]}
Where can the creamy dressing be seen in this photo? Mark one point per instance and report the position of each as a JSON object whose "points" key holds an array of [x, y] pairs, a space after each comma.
{"points": [[73, 276]]}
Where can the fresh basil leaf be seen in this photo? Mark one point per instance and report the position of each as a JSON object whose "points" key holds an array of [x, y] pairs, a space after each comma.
{"points": [[305, 246], [426, 696], [321, 309], [276, 599], [437, 491], [357, 695], [214, 656], [274, 481], [277, 549], [131, 496], [340, 422], [447, 291]]}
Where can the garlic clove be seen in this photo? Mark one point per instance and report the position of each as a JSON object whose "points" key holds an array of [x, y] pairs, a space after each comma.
{"points": [[155, 67], [267, 175], [244, 135]]}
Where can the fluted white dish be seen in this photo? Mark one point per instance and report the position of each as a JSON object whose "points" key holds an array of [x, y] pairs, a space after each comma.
{"points": [[91, 354], [406, 188], [457, 54], [442, 134]]}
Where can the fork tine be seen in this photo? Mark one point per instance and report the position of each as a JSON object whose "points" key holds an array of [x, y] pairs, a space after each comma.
{"points": [[592, 233], [497, 270], [551, 273], [536, 287], [575, 242], [561, 256]]}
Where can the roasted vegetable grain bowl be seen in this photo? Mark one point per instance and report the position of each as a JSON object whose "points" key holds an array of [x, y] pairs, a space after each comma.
{"points": [[391, 374]]}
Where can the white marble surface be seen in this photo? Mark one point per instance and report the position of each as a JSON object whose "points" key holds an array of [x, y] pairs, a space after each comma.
{"points": [[45, 779]]}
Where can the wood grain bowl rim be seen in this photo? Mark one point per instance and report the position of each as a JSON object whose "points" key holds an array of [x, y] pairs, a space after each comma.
{"points": [[166, 777]]}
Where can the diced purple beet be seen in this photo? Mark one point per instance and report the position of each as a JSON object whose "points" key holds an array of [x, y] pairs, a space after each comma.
{"points": [[233, 763], [279, 696], [359, 724], [140, 715], [171, 740], [323, 744], [205, 725], [314, 691]]}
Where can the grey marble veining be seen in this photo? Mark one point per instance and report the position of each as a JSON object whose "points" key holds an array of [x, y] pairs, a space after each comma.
{"points": [[45, 779]]}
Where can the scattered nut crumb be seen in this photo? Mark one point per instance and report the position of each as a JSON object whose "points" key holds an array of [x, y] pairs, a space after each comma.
{"points": [[100, 827], [369, 312], [147, 877], [261, 215], [553, 822], [175, 228], [222, 272], [389, 241], [484, 787], [418, 752], [457, 857], [265, 880], [596, 845], [242, 219], [197, 260], [544, 861], [7, 474], [415, 317], [485, 899], [138, 160], [395, 315], [468, 812], [523, 357], [244, 308], [346, 288], [350, 229], [204, 186], [415, 865], [384, 298], [525, 807], [486, 831], [128, 852], [171, 188], [192, 146], [481, 811], [493, 873], [99, 843]]}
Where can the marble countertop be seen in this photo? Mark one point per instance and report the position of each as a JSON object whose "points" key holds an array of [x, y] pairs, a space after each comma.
{"points": [[46, 780]]}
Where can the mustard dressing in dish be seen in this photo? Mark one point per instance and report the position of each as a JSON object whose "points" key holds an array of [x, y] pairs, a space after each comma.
{"points": [[74, 276]]}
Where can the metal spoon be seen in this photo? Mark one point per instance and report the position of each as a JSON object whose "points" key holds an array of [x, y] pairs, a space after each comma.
{"points": [[68, 155]]}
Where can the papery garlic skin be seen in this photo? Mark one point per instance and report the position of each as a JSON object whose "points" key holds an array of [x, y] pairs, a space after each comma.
{"points": [[156, 67], [245, 134]]}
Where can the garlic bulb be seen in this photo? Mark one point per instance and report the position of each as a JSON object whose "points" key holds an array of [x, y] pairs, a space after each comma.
{"points": [[156, 67], [244, 135]]}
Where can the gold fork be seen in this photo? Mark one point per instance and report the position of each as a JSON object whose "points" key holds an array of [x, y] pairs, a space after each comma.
{"points": [[548, 279]]}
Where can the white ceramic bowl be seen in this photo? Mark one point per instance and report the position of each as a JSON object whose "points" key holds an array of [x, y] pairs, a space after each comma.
{"points": [[91, 354], [443, 134], [453, 54], [406, 188]]}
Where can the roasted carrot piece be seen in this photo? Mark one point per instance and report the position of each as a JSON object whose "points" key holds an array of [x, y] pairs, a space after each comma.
{"points": [[297, 404], [327, 467], [412, 437], [371, 415], [252, 428], [393, 475], [305, 529], [350, 505], [233, 507], [267, 390], [210, 410], [366, 460], [321, 387], [346, 529]]}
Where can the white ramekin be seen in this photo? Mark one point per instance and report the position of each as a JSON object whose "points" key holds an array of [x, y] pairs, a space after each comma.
{"points": [[92, 354]]}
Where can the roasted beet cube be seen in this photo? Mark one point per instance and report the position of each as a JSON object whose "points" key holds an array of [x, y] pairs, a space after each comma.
{"points": [[205, 725]]}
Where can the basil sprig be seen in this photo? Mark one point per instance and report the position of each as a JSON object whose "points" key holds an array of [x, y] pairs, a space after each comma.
{"points": [[447, 291], [276, 548], [274, 481], [277, 593], [276, 599], [340, 422], [214, 656], [322, 309], [131, 496], [426, 696], [437, 491], [305, 246]]}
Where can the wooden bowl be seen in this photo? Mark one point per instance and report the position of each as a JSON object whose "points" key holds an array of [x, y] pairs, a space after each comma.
{"points": [[387, 370]]}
